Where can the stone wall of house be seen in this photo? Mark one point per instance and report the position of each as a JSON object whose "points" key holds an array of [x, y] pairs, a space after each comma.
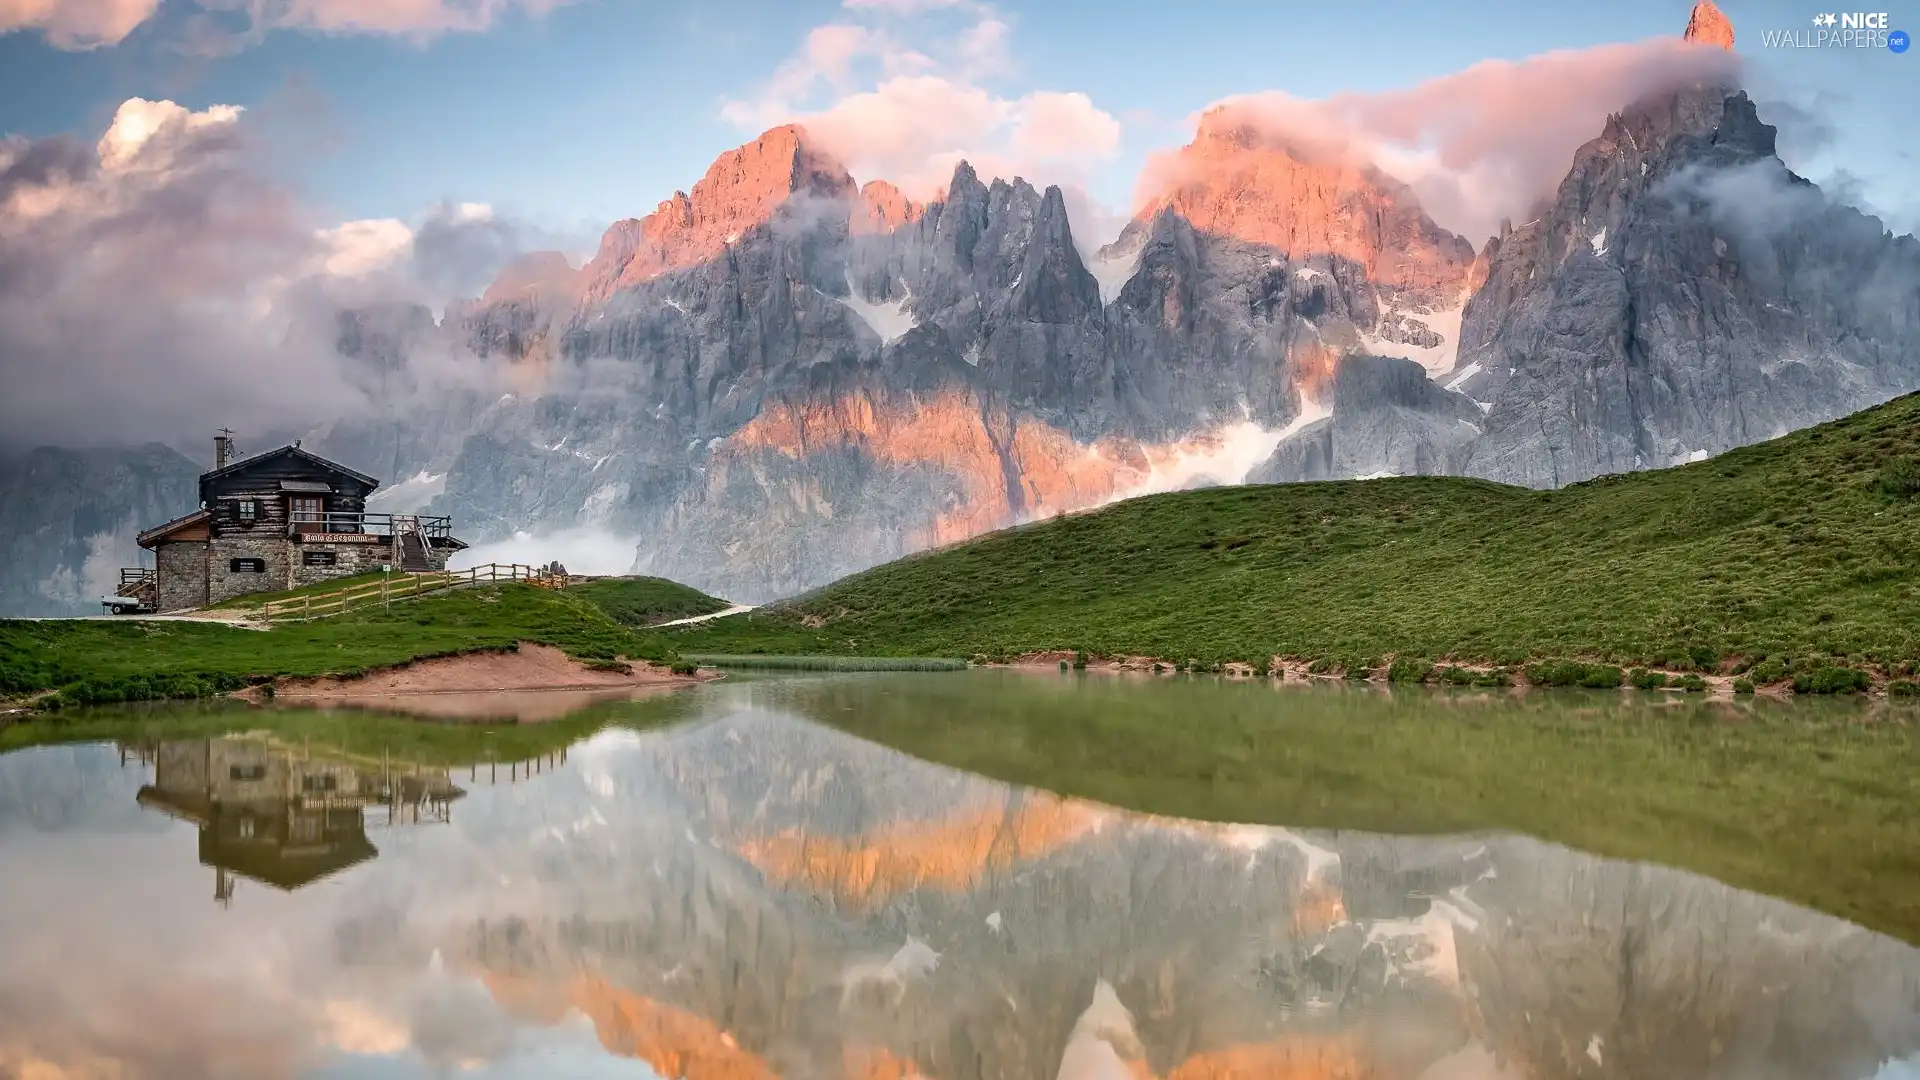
{"points": [[180, 572], [348, 559], [224, 583]]}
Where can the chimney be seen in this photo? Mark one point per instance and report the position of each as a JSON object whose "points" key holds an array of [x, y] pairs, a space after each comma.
{"points": [[222, 448]]}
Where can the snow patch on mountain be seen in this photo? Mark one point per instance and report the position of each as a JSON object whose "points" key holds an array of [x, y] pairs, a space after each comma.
{"points": [[410, 495], [1113, 267], [1437, 359], [1454, 384], [890, 321], [1224, 456]]}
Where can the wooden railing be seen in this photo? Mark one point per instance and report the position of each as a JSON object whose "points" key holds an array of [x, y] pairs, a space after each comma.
{"points": [[370, 524], [406, 587]]}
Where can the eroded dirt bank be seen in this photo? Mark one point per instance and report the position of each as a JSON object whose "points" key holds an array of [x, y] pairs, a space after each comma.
{"points": [[456, 686]]}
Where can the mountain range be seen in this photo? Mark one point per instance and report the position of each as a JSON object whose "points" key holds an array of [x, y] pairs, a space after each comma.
{"points": [[782, 376]]}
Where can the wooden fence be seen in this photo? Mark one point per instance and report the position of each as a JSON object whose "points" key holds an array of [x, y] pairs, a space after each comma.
{"points": [[406, 587]]}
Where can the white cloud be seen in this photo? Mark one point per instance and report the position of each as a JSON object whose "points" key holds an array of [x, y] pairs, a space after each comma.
{"points": [[137, 121], [354, 248], [77, 24], [913, 90], [165, 274], [90, 24]]}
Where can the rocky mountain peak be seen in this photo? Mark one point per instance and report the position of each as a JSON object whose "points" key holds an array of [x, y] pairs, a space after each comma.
{"points": [[1708, 25], [741, 190], [1239, 180], [882, 208], [533, 275]]}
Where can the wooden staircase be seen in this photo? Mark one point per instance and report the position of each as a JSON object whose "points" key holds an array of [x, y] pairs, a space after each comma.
{"points": [[412, 544]]}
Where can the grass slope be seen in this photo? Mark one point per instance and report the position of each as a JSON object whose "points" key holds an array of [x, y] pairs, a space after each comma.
{"points": [[643, 601], [93, 661], [1807, 546], [1808, 801]]}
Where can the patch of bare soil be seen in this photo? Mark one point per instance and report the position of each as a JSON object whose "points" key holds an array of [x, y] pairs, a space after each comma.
{"points": [[464, 681]]}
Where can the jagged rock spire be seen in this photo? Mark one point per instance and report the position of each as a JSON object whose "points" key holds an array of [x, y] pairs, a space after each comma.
{"points": [[1708, 25]]}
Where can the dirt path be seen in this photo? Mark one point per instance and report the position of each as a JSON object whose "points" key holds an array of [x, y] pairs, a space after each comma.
{"points": [[691, 619], [241, 620]]}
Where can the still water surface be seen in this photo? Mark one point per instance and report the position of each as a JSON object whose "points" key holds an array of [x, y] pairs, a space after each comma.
{"points": [[720, 885]]}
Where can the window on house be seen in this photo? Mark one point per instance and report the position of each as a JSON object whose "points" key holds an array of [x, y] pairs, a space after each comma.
{"points": [[247, 566], [320, 782], [244, 827], [246, 772], [318, 558], [247, 510]]}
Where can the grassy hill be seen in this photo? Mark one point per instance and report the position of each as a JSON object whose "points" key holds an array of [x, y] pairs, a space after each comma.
{"points": [[1804, 550], [643, 601], [103, 660]]}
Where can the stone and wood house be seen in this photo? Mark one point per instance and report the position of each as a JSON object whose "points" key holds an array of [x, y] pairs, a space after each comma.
{"points": [[279, 520]]}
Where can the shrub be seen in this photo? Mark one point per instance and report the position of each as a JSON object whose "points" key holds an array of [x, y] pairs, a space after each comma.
{"points": [[1574, 673], [598, 664], [1063, 665], [1459, 676], [1903, 688], [1691, 682], [684, 667], [1743, 686], [828, 663], [1079, 660], [1322, 666], [158, 687], [1900, 477], [1642, 679], [1409, 670], [1704, 658], [1831, 680], [1769, 671], [1360, 667]]}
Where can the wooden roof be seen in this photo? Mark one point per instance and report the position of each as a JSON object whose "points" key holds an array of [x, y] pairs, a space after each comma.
{"points": [[161, 532], [290, 450]]}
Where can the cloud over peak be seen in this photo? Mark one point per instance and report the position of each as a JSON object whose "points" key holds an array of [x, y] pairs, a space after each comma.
{"points": [[1479, 144], [903, 90]]}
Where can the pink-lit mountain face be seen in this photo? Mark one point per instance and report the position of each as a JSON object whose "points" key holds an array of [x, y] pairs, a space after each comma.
{"points": [[1709, 26]]}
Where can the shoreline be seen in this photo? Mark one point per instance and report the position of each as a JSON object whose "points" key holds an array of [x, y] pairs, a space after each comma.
{"points": [[1724, 684]]}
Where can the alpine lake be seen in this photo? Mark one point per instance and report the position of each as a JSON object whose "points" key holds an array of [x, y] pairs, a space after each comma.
{"points": [[965, 876]]}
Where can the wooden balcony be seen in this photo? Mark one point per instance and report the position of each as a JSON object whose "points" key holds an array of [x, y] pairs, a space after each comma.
{"points": [[388, 525]]}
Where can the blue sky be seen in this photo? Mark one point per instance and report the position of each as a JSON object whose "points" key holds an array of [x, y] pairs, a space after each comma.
{"points": [[598, 109]]}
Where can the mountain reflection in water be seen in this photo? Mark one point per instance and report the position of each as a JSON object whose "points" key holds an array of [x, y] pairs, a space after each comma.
{"points": [[754, 895]]}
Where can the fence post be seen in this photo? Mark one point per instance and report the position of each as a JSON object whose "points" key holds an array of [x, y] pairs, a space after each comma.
{"points": [[306, 607]]}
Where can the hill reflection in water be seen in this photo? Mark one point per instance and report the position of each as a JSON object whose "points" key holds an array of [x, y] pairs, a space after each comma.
{"points": [[751, 894]]}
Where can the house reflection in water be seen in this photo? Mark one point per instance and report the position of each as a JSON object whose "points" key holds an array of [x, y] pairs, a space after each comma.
{"points": [[282, 815]]}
